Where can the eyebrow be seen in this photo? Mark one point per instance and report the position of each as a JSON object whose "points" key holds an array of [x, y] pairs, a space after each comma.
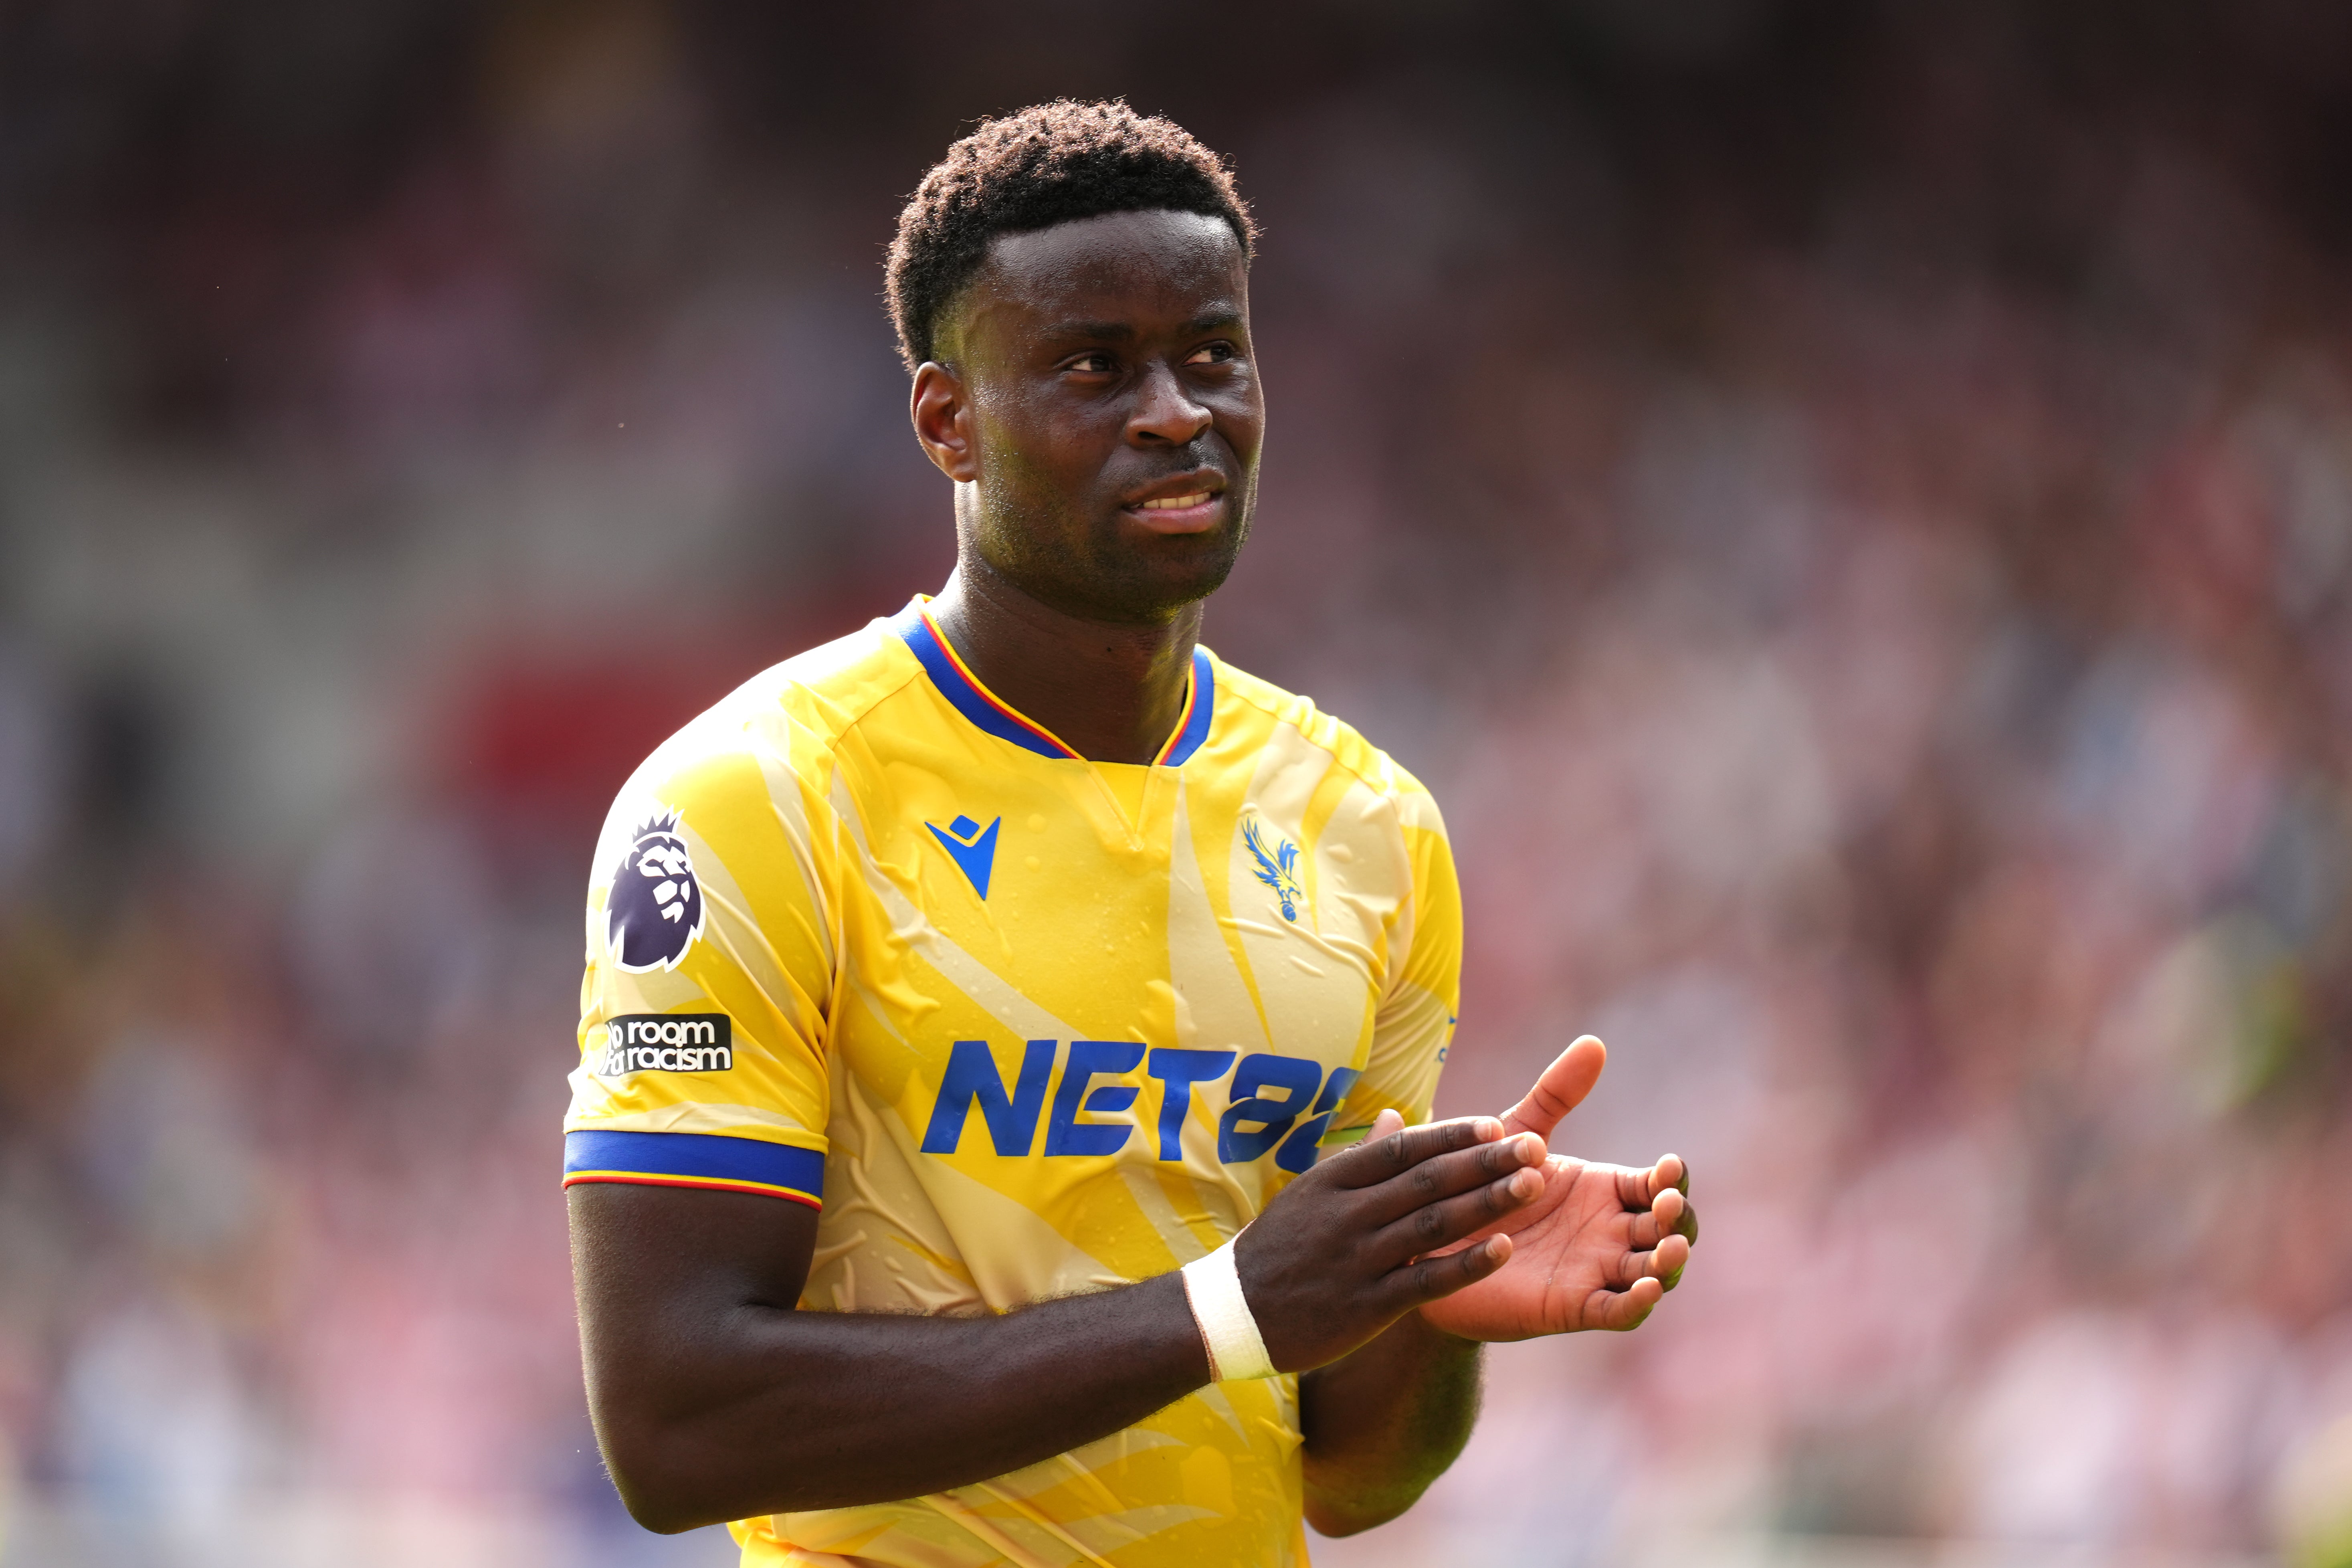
{"points": [[1122, 331]]}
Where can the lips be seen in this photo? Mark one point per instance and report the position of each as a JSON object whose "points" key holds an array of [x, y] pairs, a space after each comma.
{"points": [[1184, 503]]}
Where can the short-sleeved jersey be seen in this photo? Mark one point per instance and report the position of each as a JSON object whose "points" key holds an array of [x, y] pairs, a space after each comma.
{"points": [[1019, 1026]]}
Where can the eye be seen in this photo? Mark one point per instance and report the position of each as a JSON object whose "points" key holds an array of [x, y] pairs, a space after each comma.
{"points": [[1093, 362], [1211, 353]]}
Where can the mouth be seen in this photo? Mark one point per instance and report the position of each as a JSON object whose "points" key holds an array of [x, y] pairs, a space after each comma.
{"points": [[1194, 507]]}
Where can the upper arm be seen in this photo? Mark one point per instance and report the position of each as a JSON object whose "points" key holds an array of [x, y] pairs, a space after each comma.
{"points": [[654, 1268], [694, 1146], [659, 1272]]}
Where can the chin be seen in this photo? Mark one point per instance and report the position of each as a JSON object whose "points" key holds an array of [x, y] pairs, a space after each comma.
{"points": [[1130, 576], [1156, 582], [1130, 593]]}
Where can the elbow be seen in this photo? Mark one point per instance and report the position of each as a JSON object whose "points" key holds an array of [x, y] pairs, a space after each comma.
{"points": [[654, 1498], [663, 1492], [662, 1503], [674, 1476], [1335, 1516], [656, 1511]]}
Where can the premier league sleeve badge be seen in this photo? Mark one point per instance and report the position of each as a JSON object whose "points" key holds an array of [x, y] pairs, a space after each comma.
{"points": [[654, 912]]}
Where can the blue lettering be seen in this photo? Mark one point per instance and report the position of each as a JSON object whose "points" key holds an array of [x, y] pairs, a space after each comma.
{"points": [[1298, 1149], [1066, 1134], [1295, 1076], [1179, 1070], [971, 1074], [1273, 1104]]}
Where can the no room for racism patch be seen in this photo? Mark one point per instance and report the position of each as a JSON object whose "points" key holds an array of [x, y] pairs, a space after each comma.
{"points": [[668, 1042]]}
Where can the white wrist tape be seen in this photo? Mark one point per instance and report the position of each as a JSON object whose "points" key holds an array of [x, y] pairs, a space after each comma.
{"points": [[1215, 1290]]}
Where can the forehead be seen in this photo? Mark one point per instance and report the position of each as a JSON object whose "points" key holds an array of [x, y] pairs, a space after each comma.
{"points": [[1119, 267]]}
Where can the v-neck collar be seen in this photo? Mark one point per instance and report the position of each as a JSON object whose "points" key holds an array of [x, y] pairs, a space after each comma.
{"points": [[970, 696]]}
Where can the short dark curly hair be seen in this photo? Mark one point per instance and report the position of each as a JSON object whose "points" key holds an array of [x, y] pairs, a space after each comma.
{"points": [[1032, 170]]}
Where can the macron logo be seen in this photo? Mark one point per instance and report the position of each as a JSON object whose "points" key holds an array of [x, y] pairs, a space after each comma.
{"points": [[971, 847]]}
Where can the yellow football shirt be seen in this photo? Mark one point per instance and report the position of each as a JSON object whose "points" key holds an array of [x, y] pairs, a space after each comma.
{"points": [[1018, 1025]]}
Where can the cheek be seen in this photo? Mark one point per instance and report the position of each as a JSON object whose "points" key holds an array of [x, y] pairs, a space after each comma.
{"points": [[1026, 511], [1032, 446], [1024, 473], [1240, 416]]}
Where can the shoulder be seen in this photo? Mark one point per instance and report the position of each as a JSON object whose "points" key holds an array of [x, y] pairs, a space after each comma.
{"points": [[769, 744], [1276, 710]]}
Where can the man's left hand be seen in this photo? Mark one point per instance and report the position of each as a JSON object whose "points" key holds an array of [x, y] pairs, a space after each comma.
{"points": [[1597, 1249]]}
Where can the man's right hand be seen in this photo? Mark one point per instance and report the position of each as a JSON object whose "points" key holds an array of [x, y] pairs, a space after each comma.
{"points": [[1354, 1242]]}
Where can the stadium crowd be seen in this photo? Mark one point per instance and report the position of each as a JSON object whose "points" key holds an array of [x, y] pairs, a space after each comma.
{"points": [[1887, 671]]}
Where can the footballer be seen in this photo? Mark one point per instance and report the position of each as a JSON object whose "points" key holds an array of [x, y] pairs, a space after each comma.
{"points": [[1001, 1128]]}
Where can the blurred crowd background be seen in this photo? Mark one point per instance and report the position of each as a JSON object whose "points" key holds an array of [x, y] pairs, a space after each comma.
{"points": [[1847, 502]]}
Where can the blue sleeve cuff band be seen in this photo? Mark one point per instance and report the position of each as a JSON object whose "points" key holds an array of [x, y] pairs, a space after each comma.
{"points": [[695, 1159]]}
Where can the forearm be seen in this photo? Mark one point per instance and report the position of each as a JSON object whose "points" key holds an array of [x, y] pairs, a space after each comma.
{"points": [[1384, 1422], [776, 1410], [715, 1399]]}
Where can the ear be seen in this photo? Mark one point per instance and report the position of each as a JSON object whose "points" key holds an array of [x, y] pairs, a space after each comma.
{"points": [[942, 416]]}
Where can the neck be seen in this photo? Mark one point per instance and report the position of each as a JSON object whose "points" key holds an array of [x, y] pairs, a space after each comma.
{"points": [[1113, 693]]}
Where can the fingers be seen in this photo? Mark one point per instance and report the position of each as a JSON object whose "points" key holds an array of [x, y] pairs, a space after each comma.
{"points": [[1560, 1089], [1425, 1186], [1665, 1232], [1636, 1188], [1662, 1262], [1618, 1310], [1429, 1226], [1390, 1148], [1672, 1214], [1670, 1179], [1670, 1171], [1426, 1280], [1639, 1190]]}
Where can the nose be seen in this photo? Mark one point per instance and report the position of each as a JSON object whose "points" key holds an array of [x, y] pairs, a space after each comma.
{"points": [[1163, 412]]}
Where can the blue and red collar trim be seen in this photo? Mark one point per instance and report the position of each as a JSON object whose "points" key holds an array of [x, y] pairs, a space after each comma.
{"points": [[1193, 728], [986, 710]]}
